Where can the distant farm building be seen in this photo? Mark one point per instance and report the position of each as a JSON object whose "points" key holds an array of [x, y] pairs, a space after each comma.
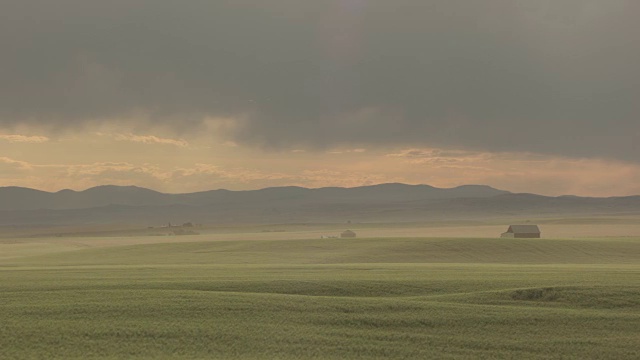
{"points": [[522, 231], [348, 234]]}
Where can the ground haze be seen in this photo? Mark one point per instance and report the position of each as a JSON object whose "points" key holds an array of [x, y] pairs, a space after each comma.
{"points": [[268, 294]]}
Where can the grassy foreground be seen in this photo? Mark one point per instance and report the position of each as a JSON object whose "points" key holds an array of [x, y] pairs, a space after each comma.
{"points": [[330, 298]]}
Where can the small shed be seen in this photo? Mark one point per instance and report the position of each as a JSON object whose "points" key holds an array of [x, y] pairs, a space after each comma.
{"points": [[348, 234], [522, 231]]}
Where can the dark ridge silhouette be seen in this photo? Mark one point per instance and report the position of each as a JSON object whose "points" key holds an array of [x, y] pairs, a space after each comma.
{"points": [[16, 198], [291, 204]]}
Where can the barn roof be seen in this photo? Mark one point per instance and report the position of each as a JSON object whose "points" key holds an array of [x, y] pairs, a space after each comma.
{"points": [[524, 229]]}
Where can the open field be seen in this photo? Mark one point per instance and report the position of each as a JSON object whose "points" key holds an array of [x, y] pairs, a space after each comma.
{"points": [[27, 241], [274, 296]]}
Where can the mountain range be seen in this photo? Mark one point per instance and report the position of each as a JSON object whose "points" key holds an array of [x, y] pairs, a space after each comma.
{"points": [[377, 203]]}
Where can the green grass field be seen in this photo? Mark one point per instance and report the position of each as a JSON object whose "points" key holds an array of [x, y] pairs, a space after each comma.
{"points": [[440, 298]]}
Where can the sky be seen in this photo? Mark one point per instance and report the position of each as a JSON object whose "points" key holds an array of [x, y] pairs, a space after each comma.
{"points": [[533, 96]]}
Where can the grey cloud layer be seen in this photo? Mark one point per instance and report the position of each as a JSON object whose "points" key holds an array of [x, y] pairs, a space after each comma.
{"points": [[531, 75]]}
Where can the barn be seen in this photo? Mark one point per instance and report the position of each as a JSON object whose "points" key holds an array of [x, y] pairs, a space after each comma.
{"points": [[522, 231], [348, 234]]}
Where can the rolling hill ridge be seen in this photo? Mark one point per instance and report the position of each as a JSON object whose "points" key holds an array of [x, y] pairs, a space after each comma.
{"points": [[377, 203]]}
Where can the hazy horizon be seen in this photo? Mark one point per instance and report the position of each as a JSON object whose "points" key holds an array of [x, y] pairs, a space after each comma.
{"points": [[289, 186]]}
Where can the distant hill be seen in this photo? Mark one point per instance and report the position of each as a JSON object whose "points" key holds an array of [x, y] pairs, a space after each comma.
{"points": [[386, 202], [17, 198]]}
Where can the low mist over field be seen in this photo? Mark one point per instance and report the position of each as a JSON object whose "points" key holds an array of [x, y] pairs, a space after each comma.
{"points": [[268, 274], [246, 294]]}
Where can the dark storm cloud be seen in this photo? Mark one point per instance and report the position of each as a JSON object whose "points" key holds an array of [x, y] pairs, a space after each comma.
{"points": [[545, 76]]}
